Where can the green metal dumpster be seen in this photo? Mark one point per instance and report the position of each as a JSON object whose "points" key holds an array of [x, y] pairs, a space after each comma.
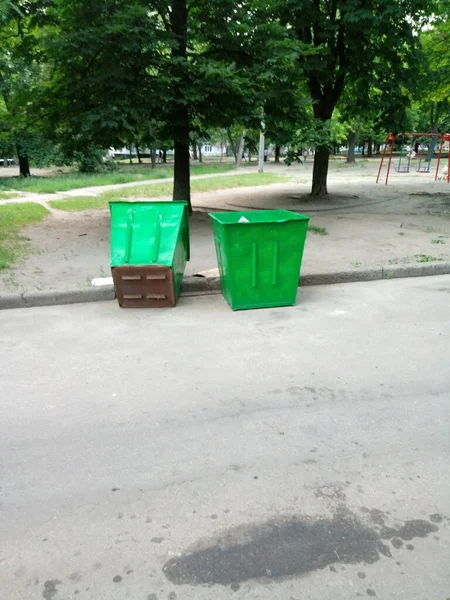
{"points": [[149, 250], [259, 255]]}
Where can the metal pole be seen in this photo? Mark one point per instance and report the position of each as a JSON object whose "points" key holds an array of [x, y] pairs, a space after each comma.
{"points": [[446, 137], [382, 159], [261, 149], [448, 166], [439, 158], [390, 158]]}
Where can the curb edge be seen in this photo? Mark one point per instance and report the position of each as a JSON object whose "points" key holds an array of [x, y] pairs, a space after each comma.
{"points": [[199, 286]]}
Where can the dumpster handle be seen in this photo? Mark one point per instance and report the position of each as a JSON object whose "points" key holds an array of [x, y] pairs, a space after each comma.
{"points": [[157, 238], [275, 263], [254, 264], [129, 242]]}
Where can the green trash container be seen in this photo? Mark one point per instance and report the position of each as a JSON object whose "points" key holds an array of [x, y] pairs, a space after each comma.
{"points": [[259, 255], [149, 250]]}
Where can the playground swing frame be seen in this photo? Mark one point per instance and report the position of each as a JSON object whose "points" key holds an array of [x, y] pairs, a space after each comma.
{"points": [[427, 162], [390, 143], [399, 167]]}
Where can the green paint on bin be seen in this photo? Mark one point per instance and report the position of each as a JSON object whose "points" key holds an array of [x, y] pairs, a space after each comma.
{"points": [[259, 255], [150, 233]]}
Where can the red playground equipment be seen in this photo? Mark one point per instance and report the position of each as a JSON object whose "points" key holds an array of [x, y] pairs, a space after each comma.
{"points": [[424, 163]]}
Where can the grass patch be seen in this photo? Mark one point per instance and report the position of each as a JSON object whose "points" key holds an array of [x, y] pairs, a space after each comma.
{"points": [[71, 181], [13, 217], [160, 190], [250, 180], [424, 258], [318, 230], [438, 241], [80, 203], [211, 168], [6, 195]]}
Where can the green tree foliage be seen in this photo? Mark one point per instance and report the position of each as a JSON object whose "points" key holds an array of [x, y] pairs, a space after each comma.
{"points": [[433, 102], [166, 73], [20, 80], [354, 41], [106, 61]]}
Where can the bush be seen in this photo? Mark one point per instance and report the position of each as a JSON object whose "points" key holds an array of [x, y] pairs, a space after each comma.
{"points": [[93, 160]]}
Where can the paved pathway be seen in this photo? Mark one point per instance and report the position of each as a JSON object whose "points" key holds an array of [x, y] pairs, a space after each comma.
{"points": [[44, 199], [196, 453]]}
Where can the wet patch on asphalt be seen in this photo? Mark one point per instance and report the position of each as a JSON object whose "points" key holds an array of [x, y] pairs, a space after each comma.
{"points": [[292, 547]]}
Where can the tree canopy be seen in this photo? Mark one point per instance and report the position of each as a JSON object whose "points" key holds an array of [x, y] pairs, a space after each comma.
{"points": [[77, 77]]}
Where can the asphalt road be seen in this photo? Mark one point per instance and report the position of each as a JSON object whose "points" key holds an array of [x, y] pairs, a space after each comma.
{"points": [[196, 453]]}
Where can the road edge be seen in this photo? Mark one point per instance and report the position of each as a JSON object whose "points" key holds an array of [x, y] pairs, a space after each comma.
{"points": [[199, 286]]}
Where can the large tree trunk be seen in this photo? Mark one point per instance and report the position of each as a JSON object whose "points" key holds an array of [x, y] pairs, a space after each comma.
{"points": [[194, 151], [24, 165], [232, 145], [138, 154], [200, 155], [369, 148], [325, 100], [153, 156], [164, 156], [240, 151], [181, 181], [277, 153], [181, 176], [351, 141], [320, 172]]}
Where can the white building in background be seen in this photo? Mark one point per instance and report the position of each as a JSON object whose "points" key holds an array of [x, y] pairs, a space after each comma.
{"points": [[208, 150], [214, 150], [125, 152]]}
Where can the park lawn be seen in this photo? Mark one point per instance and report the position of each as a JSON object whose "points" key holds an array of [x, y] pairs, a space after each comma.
{"points": [[13, 218], [64, 182], [6, 195], [159, 190]]}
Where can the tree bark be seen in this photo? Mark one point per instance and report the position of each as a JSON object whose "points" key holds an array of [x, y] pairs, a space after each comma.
{"points": [[232, 145], [240, 151], [24, 165], [153, 156], [369, 148], [181, 182], [351, 141], [200, 155], [320, 171], [138, 154], [325, 99], [194, 151], [164, 156], [277, 153]]}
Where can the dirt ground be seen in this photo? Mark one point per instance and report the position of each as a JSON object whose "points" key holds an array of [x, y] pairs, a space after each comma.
{"points": [[367, 225]]}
